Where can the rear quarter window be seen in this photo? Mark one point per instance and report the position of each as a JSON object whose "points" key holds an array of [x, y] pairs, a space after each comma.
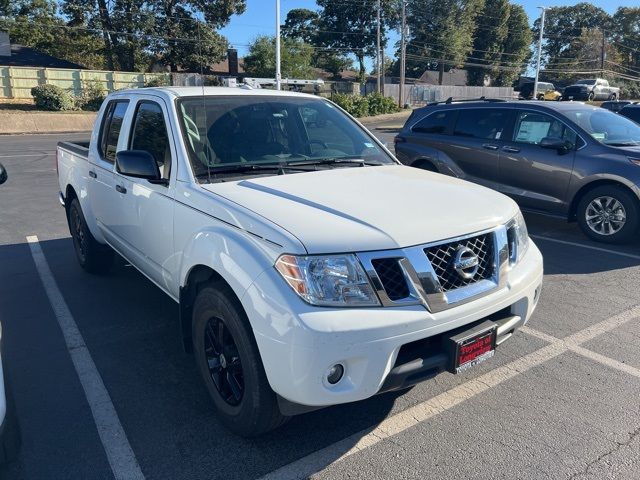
{"points": [[436, 122]]}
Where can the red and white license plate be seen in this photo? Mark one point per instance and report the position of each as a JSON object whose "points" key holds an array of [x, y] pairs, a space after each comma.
{"points": [[474, 348]]}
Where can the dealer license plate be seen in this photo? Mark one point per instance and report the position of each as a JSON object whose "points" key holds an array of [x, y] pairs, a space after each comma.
{"points": [[474, 347]]}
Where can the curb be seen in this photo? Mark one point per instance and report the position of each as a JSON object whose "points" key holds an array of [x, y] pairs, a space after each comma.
{"points": [[44, 122]]}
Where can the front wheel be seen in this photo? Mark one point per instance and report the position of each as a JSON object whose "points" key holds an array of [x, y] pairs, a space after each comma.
{"points": [[230, 365], [92, 255], [608, 214], [591, 96]]}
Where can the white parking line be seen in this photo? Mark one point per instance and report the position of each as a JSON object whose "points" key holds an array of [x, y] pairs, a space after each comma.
{"points": [[413, 416], [122, 460], [28, 155], [589, 247]]}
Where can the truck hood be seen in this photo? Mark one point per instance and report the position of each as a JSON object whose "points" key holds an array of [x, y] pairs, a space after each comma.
{"points": [[369, 208]]}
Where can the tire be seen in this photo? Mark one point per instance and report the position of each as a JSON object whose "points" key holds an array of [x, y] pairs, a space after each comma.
{"points": [[250, 408], [605, 206], [92, 255], [590, 97], [11, 439], [612, 97], [541, 97]]}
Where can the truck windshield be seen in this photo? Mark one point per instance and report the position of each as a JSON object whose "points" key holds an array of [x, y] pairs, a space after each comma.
{"points": [[607, 127], [223, 131]]}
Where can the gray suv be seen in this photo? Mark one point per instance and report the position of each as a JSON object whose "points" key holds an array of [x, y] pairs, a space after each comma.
{"points": [[562, 159]]}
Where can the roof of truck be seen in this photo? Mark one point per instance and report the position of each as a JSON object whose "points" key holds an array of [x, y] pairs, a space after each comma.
{"points": [[181, 92]]}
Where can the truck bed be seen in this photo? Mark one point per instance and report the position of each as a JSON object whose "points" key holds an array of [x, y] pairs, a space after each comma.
{"points": [[77, 148]]}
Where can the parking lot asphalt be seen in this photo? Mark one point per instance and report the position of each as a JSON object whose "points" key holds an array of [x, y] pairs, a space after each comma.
{"points": [[559, 400]]}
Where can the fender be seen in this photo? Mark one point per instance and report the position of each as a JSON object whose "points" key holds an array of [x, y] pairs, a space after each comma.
{"points": [[233, 254], [601, 178]]}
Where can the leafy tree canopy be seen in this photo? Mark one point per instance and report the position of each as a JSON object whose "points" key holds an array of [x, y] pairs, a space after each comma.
{"points": [[295, 58]]}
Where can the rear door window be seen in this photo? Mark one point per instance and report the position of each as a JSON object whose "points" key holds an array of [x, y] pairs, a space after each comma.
{"points": [[111, 126], [632, 113], [532, 127], [436, 122], [484, 123]]}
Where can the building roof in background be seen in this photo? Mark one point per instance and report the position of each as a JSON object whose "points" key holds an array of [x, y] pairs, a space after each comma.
{"points": [[455, 76], [222, 67], [22, 56]]}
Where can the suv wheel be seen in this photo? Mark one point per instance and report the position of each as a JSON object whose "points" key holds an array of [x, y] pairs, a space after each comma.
{"points": [[230, 365], [608, 214]]}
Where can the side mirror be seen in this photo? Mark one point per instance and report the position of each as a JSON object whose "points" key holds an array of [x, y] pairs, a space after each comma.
{"points": [[3, 174], [138, 164], [554, 143]]}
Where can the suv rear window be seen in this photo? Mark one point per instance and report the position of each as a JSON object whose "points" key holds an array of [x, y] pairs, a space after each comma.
{"points": [[485, 123], [436, 122], [632, 113]]}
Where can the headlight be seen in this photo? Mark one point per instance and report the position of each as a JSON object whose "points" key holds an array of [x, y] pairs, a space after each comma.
{"points": [[518, 238], [328, 280]]}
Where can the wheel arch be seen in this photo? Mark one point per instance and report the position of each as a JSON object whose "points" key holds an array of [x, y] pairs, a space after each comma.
{"points": [[426, 163], [573, 207]]}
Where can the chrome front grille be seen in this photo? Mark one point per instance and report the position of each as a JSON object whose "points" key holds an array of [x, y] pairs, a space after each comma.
{"points": [[426, 274], [442, 259], [392, 277]]}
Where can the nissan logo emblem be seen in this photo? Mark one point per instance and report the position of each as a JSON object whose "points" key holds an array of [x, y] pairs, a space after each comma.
{"points": [[466, 263]]}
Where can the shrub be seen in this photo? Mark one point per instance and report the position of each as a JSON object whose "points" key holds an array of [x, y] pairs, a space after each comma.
{"points": [[52, 97], [92, 96], [372, 104], [379, 104], [157, 82]]}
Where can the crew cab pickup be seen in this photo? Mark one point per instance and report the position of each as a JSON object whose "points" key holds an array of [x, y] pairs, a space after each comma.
{"points": [[591, 89], [311, 268]]}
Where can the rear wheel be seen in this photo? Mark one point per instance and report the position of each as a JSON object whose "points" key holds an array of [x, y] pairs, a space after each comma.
{"points": [[608, 214], [230, 365], [613, 97], [92, 255], [591, 96], [541, 97]]}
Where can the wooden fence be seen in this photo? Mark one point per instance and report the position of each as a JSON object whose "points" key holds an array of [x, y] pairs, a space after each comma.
{"points": [[16, 82]]}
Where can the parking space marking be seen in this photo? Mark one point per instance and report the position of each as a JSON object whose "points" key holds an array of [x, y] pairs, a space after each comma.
{"points": [[445, 401], [28, 155], [574, 342], [590, 247], [122, 460]]}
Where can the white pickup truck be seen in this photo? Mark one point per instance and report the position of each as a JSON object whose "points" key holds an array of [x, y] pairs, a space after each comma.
{"points": [[310, 267]]}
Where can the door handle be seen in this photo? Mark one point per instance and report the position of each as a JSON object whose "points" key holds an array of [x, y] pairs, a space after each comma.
{"points": [[93, 174], [511, 149], [490, 146], [121, 189]]}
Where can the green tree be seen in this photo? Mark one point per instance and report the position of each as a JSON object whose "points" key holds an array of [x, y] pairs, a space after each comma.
{"points": [[36, 24], [626, 35], [350, 27], [564, 24], [441, 34], [301, 24], [488, 44], [133, 30], [295, 58], [516, 45]]}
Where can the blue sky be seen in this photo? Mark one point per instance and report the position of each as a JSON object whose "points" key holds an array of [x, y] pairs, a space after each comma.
{"points": [[259, 17]]}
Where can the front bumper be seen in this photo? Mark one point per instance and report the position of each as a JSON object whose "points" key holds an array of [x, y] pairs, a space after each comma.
{"points": [[381, 348]]}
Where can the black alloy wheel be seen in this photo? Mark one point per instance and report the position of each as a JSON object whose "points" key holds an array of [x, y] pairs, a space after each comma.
{"points": [[224, 362], [78, 234]]}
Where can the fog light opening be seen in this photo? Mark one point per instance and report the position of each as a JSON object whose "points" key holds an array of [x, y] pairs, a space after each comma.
{"points": [[536, 296], [335, 373]]}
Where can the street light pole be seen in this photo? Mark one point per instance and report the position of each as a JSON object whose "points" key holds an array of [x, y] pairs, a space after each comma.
{"points": [[535, 84], [278, 74], [403, 51], [378, 88]]}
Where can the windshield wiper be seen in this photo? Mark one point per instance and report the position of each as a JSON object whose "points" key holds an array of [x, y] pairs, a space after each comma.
{"points": [[280, 168], [332, 161]]}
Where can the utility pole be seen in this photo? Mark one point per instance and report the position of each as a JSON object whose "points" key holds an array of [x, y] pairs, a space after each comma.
{"points": [[403, 51], [603, 54], [535, 84], [378, 87], [278, 74]]}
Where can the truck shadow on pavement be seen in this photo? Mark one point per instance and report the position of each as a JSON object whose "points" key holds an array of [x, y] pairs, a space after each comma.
{"points": [[131, 330]]}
